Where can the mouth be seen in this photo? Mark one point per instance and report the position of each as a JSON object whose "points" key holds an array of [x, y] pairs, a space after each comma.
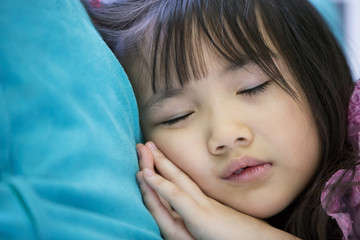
{"points": [[245, 169]]}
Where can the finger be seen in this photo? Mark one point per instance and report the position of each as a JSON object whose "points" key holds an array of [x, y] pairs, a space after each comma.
{"points": [[182, 202], [152, 200], [149, 194], [162, 200], [146, 159], [169, 222], [171, 172]]}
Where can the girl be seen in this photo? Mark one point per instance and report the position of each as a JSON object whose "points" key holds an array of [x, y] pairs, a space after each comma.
{"points": [[247, 101]]}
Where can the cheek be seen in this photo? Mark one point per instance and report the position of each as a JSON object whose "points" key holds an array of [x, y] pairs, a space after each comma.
{"points": [[298, 139], [181, 149]]}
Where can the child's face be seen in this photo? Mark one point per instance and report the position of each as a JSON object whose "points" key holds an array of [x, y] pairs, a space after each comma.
{"points": [[241, 138]]}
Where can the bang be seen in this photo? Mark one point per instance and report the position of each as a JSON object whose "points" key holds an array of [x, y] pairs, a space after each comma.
{"points": [[181, 32]]}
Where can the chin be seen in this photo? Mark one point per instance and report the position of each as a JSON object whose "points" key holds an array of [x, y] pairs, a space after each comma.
{"points": [[264, 212]]}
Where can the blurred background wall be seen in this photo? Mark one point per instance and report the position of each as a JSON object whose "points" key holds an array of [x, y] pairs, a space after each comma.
{"points": [[350, 14]]}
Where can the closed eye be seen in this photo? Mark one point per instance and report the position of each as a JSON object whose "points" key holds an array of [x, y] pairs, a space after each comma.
{"points": [[176, 120], [255, 90]]}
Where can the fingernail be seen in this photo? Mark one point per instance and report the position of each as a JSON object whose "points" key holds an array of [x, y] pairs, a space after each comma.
{"points": [[151, 145], [148, 172]]}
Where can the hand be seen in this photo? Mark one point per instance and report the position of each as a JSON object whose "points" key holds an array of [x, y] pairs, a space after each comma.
{"points": [[183, 211], [170, 223]]}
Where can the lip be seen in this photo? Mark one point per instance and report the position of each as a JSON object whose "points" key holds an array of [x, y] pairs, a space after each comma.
{"points": [[245, 169]]}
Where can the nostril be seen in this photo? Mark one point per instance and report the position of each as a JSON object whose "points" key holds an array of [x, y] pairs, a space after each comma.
{"points": [[219, 148], [240, 139]]}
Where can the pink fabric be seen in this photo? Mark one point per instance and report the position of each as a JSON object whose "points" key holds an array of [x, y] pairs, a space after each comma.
{"points": [[334, 207]]}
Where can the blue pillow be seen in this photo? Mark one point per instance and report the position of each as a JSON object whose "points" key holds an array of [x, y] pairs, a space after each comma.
{"points": [[68, 129]]}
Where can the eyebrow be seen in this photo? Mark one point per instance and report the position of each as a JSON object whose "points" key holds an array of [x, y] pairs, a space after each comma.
{"points": [[162, 96]]}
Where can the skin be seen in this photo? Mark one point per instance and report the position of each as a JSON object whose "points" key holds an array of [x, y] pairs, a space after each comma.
{"points": [[230, 114]]}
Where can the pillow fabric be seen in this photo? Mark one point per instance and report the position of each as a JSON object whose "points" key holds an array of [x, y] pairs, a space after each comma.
{"points": [[68, 129]]}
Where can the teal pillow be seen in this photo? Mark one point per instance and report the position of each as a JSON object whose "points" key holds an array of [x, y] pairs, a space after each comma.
{"points": [[68, 129]]}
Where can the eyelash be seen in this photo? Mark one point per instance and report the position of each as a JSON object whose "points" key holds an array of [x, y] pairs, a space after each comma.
{"points": [[250, 92], [255, 90], [176, 120]]}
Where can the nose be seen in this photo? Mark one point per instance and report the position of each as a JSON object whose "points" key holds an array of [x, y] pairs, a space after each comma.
{"points": [[225, 136]]}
